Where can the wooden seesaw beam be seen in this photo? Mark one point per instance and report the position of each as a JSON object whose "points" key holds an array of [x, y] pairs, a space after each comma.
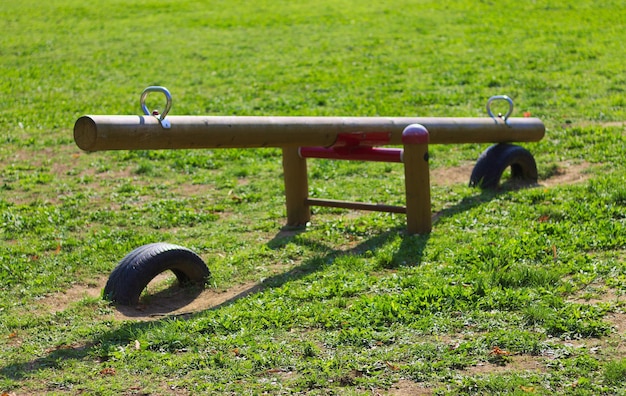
{"points": [[312, 137], [120, 132]]}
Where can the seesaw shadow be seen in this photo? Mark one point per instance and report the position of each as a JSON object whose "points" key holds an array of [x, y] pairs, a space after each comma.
{"points": [[411, 249], [163, 302]]}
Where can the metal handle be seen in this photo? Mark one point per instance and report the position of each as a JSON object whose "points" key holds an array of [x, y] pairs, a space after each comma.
{"points": [[168, 104], [500, 97]]}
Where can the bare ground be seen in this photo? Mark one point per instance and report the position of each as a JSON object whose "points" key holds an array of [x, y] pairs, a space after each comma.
{"points": [[568, 173]]}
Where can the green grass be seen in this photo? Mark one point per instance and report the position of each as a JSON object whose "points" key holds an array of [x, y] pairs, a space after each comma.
{"points": [[516, 291]]}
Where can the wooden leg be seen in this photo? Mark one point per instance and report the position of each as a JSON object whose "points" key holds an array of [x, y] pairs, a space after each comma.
{"points": [[296, 187], [415, 138], [417, 185]]}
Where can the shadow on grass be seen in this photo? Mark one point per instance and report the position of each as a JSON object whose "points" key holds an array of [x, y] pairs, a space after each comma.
{"points": [[411, 250], [164, 301]]}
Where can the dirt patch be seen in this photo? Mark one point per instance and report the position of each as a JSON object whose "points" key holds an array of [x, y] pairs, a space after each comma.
{"points": [[163, 298], [595, 293], [406, 388], [567, 173], [514, 363], [585, 124], [176, 301], [618, 320], [60, 301], [451, 175]]}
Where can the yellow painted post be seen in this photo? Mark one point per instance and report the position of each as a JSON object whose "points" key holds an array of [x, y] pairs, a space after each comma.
{"points": [[296, 187], [417, 179]]}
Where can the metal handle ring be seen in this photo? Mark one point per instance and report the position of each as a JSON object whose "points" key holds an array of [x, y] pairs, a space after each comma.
{"points": [[168, 103], [500, 97]]}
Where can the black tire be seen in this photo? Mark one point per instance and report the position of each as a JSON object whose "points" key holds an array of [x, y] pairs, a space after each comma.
{"points": [[496, 159], [135, 271]]}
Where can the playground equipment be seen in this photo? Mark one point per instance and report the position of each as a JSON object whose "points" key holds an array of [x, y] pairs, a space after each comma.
{"points": [[338, 138]]}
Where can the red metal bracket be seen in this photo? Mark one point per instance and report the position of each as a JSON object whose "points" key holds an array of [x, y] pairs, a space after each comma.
{"points": [[356, 146], [369, 139], [353, 153]]}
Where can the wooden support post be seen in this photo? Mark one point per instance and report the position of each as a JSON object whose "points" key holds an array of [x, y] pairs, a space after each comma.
{"points": [[417, 179], [296, 187]]}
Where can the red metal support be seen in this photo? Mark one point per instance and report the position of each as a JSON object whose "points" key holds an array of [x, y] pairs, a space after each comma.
{"points": [[362, 139], [359, 147], [353, 153]]}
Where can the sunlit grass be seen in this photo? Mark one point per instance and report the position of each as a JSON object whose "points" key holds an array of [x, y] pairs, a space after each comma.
{"points": [[352, 304]]}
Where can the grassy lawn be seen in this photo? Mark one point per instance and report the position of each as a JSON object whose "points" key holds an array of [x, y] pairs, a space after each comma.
{"points": [[515, 291]]}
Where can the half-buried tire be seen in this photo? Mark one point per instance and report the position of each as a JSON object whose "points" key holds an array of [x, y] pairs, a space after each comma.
{"points": [[135, 271], [496, 159]]}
